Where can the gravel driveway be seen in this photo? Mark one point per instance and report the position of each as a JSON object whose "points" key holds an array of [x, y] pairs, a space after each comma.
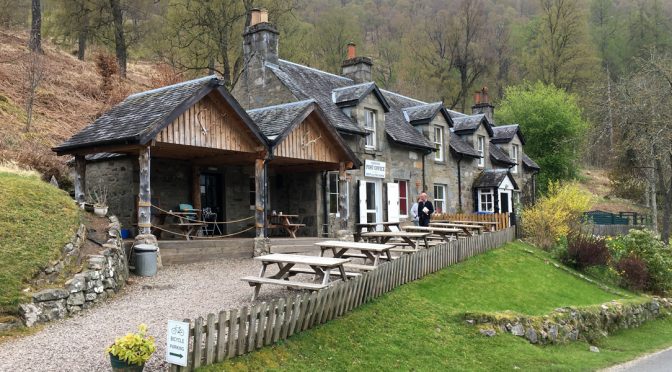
{"points": [[176, 292]]}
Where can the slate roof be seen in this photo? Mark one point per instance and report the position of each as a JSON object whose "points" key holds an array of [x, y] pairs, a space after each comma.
{"points": [[529, 163], [505, 133], [138, 118], [351, 95], [425, 113], [469, 123], [493, 178], [459, 146], [498, 155], [273, 120], [309, 83]]}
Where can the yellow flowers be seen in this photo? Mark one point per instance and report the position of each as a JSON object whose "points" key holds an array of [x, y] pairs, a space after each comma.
{"points": [[553, 215], [134, 348]]}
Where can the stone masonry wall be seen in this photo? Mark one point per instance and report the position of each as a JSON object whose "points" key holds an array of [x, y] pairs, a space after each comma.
{"points": [[571, 323], [105, 274]]}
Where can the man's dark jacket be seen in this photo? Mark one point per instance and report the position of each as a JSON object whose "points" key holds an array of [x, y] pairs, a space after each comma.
{"points": [[424, 217]]}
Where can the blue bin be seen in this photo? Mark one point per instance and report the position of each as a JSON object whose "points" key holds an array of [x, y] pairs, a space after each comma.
{"points": [[125, 233]]}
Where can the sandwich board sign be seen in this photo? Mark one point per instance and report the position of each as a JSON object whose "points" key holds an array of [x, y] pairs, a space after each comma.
{"points": [[177, 345]]}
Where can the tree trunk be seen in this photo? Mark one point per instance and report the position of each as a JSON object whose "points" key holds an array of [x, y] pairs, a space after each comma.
{"points": [[667, 206], [654, 199], [119, 38], [35, 42], [83, 32]]}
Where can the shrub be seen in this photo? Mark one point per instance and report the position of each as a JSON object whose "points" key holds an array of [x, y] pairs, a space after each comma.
{"points": [[656, 256], [555, 214], [584, 250], [633, 272]]}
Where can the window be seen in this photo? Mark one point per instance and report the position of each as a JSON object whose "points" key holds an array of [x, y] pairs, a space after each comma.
{"points": [[253, 194], [438, 143], [514, 157], [486, 202], [439, 198], [332, 194], [370, 127], [403, 198], [480, 147]]}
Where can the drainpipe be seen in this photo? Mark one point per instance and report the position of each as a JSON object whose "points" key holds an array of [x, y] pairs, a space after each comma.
{"points": [[424, 183], [459, 183]]}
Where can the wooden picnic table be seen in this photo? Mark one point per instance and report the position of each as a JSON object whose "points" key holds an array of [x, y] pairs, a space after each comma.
{"points": [[371, 226], [371, 251], [186, 221], [385, 236], [321, 267], [446, 233], [284, 221], [466, 228], [488, 225]]}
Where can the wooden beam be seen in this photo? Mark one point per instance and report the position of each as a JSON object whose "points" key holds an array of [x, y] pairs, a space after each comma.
{"points": [[196, 189], [342, 197], [80, 179], [117, 149], [260, 192], [144, 193]]}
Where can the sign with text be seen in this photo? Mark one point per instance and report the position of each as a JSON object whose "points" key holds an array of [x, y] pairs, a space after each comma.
{"points": [[373, 168], [177, 346]]}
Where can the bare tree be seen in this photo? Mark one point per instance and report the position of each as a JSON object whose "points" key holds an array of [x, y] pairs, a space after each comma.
{"points": [[120, 47], [35, 42]]}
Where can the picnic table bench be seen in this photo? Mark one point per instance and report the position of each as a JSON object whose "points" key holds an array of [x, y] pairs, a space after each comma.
{"points": [[488, 225], [321, 266], [466, 228], [284, 221], [446, 233], [385, 236], [369, 251], [371, 226]]}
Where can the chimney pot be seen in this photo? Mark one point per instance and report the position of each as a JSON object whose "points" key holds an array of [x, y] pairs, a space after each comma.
{"points": [[477, 97], [255, 16], [263, 16], [352, 51]]}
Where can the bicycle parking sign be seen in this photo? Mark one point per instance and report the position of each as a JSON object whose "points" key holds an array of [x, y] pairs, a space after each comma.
{"points": [[177, 345]]}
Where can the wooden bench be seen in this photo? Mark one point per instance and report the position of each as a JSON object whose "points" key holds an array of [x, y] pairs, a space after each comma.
{"points": [[255, 281], [359, 267], [297, 270], [404, 250]]}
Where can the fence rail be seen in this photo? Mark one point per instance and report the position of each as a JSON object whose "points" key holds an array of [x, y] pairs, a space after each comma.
{"points": [[502, 219], [239, 331]]}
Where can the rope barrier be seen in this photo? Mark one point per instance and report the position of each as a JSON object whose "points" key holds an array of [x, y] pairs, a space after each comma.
{"points": [[170, 213], [200, 237]]}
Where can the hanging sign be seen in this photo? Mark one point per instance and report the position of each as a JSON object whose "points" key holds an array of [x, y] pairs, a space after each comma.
{"points": [[373, 168]]}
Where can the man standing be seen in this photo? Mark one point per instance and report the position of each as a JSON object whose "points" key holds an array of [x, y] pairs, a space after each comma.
{"points": [[425, 209]]}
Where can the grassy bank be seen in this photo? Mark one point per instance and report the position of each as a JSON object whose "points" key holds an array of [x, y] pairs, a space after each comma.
{"points": [[420, 325], [36, 220]]}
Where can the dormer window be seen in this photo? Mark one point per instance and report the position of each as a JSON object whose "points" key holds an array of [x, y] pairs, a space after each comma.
{"points": [[514, 157], [480, 147], [438, 143], [370, 127]]}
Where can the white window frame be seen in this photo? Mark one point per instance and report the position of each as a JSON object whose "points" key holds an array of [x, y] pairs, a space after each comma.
{"points": [[330, 192], [480, 147], [514, 156], [485, 193], [440, 200], [438, 143], [405, 182], [370, 127]]}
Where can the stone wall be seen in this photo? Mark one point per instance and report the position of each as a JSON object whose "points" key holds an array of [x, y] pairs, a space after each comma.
{"points": [[104, 275], [572, 323]]}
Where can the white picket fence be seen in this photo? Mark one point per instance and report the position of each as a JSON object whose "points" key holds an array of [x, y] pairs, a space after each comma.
{"points": [[239, 331]]}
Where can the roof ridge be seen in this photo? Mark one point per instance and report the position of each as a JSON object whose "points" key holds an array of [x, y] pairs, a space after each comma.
{"points": [[403, 96], [354, 86], [424, 104], [160, 89], [305, 101], [315, 69], [505, 126]]}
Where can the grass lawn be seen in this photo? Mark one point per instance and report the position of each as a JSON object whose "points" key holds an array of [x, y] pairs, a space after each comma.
{"points": [[36, 221], [420, 326]]}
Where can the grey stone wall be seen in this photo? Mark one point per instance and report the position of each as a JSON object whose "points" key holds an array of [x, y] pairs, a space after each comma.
{"points": [[120, 176], [104, 275]]}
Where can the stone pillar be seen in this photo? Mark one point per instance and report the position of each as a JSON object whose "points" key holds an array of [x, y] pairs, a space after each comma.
{"points": [[262, 245], [145, 235], [80, 178], [343, 232]]}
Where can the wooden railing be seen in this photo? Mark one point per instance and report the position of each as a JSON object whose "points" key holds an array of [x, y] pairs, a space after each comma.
{"points": [[502, 219], [239, 331]]}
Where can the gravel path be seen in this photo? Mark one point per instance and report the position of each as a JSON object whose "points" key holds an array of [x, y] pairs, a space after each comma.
{"points": [[176, 292]]}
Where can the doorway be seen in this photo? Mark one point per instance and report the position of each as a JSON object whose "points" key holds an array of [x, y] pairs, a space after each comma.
{"points": [[370, 202], [504, 202], [211, 196]]}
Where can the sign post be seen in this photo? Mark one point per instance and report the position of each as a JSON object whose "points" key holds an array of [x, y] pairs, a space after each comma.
{"points": [[177, 345]]}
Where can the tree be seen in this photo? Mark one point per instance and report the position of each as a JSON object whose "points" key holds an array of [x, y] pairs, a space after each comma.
{"points": [[35, 42], [120, 46], [34, 73], [552, 123]]}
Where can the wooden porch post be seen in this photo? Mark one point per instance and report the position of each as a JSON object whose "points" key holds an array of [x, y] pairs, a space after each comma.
{"points": [[144, 193], [80, 178], [342, 197], [260, 192], [196, 189]]}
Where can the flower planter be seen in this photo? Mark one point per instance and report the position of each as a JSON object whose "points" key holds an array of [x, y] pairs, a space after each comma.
{"points": [[119, 365], [100, 211]]}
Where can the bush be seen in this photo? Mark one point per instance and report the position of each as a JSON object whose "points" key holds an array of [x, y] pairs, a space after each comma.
{"points": [[656, 256], [584, 250], [633, 272], [555, 214]]}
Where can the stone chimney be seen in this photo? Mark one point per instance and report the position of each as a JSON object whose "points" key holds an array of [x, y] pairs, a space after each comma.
{"points": [[356, 68], [260, 39], [482, 105]]}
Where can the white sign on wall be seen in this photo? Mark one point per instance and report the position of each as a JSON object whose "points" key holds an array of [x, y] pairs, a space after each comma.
{"points": [[373, 168], [177, 345]]}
